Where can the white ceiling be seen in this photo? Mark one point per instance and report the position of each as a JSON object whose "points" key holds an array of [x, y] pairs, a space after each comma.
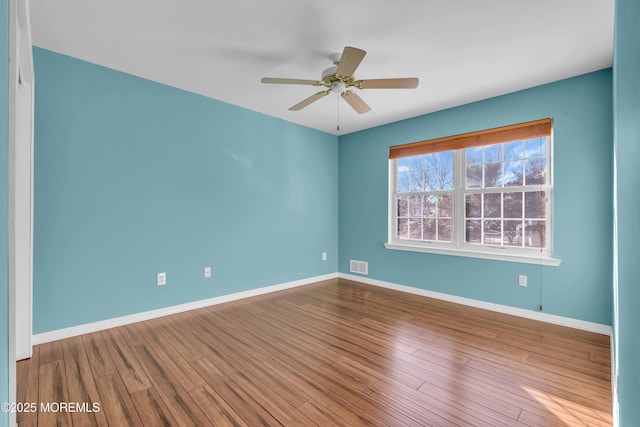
{"points": [[462, 50]]}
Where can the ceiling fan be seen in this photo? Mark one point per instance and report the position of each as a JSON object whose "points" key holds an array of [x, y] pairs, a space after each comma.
{"points": [[339, 79]]}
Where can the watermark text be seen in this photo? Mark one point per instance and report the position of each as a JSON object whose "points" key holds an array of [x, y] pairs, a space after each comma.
{"points": [[49, 407]]}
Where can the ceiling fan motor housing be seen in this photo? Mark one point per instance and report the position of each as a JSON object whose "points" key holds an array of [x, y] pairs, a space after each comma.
{"points": [[331, 71], [334, 82]]}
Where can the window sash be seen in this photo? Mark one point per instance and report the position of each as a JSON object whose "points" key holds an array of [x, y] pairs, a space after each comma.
{"points": [[436, 224], [523, 218]]}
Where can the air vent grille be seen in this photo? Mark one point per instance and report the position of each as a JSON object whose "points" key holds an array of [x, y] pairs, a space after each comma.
{"points": [[360, 267]]}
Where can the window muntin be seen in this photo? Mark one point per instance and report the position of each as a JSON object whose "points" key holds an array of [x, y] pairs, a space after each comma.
{"points": [[483, 198]]}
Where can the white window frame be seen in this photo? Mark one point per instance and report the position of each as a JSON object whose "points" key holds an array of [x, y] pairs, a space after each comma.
{"points": [[458, 246]]}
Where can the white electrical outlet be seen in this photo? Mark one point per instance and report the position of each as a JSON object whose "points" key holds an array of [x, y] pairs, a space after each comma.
{"points": [[522, 281], [162, 279], [324, 256], [207, 272]]}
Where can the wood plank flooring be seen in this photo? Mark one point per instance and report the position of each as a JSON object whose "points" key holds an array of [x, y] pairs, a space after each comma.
{"points": [[331, 353]]}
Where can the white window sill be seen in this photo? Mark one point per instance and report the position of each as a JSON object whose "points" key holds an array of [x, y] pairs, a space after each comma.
{"points": [[498, 255]]}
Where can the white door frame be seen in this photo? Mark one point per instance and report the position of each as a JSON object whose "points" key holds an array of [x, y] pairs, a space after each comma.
{"points": [[20, 174]]}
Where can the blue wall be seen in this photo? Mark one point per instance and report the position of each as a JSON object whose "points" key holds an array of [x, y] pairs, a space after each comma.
{"points": [[135, 178], [4, 146], [580, 287], [626, 96]]}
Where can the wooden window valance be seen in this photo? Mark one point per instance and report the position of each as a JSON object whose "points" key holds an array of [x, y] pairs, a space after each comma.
{"points": [[528, 130]]}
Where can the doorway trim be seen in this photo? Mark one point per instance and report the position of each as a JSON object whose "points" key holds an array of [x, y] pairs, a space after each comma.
{"points": [[20, 189]]}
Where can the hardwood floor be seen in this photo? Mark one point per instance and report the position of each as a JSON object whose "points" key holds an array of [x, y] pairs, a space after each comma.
{"points": [[331, 353]]}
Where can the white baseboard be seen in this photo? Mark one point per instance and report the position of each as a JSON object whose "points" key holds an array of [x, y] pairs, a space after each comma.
{"points": [[520, 312], [147, 315]]}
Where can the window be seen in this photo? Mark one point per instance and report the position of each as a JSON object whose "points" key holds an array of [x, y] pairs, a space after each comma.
{"points": [[485, 194], [424, 197]]}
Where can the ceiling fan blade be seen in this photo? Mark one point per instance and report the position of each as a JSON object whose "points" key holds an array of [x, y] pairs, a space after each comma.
{"points": [[290, 81], [349, 61], [309, 100], [356, 102], [406, 83]]}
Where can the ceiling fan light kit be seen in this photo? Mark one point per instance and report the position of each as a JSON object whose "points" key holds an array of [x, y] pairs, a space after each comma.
{"points": [[339, 79]]}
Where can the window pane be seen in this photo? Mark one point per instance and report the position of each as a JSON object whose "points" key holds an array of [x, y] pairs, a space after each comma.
{"points": [[415, 181], [444, 230], [474, 176], [492, 153], [512, 233], [492, 205], [492, 232], [438, 179], [429, 227], [445, 159], [473, 155], [536, 171], [415, 229], [473, 205], [445, 178], [444, 206], [403, 164], [430, 205], [512, 205], [415, 208], [431, 180], [513, 174], [513, 150], [415, 163], [430, 160], [404, 182], [403, 228], [403, 206], [535, 204], [536, 147], [534, 233], [492, 175], [473, 231]]}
